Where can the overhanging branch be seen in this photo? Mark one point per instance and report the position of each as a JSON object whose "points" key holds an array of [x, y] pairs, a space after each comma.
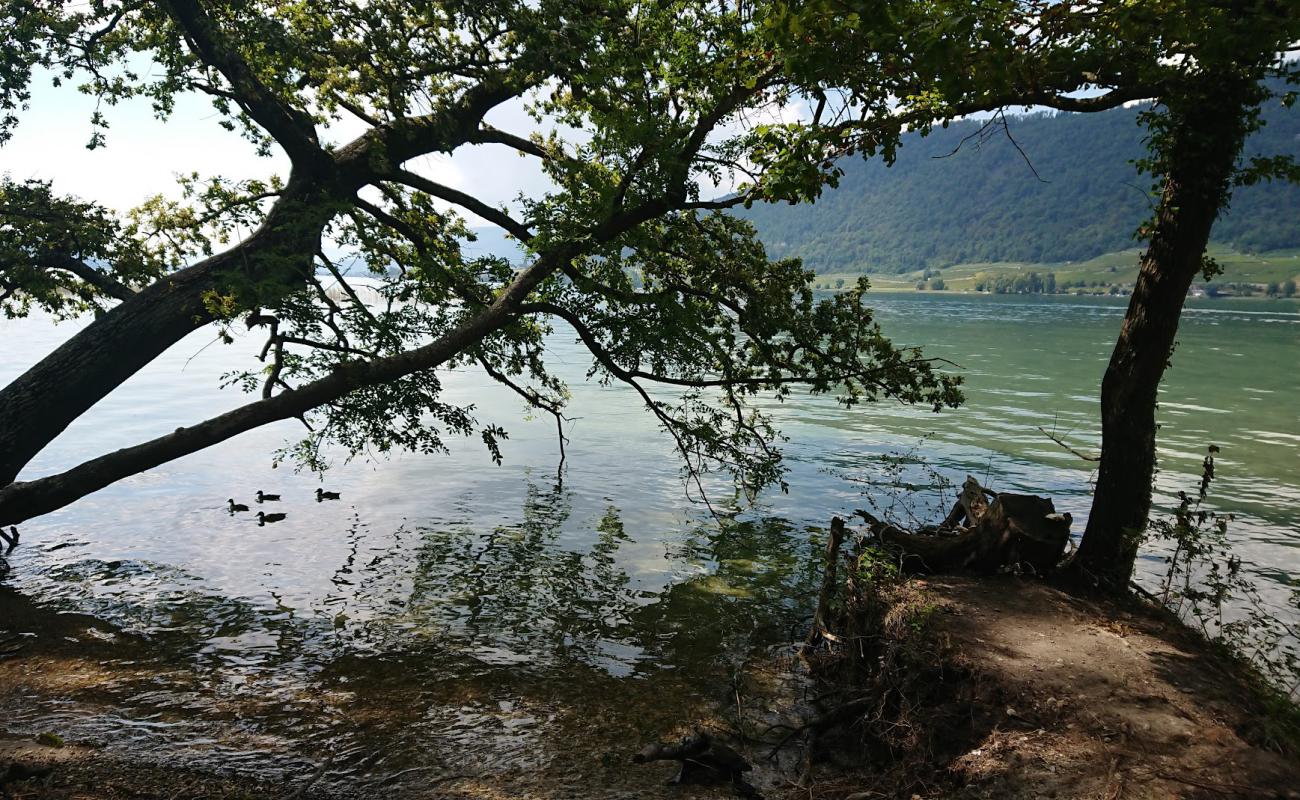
{"points": [[96, 278], [468, 202], [534, 399], [588, 337], [22, 500]]}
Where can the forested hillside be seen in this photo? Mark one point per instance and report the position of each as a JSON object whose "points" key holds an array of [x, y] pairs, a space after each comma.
{"points": [[984, 203]]}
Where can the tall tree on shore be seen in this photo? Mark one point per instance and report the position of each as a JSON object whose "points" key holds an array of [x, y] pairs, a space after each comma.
{"points": [[668, 97], [1200, 63], [1196, 137]]}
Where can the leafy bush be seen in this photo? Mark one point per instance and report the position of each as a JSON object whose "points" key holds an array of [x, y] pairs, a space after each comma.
{"points": [[1206, 585]]}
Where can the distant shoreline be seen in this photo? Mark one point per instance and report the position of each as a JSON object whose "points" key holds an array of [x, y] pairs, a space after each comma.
{"points": [[1242, 272]]}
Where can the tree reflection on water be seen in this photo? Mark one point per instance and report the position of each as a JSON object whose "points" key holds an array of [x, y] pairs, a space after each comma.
{"points": [[440, 641]]}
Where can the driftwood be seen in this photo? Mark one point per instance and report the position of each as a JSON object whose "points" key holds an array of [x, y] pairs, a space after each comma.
{"points": [[1021, 531], [970, 506]]}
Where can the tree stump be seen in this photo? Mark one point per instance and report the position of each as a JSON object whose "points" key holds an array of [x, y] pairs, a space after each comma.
{"points": [[1014, 531]]}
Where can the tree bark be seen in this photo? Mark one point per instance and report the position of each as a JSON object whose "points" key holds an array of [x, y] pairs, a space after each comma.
{"points": [[1206, 129]]}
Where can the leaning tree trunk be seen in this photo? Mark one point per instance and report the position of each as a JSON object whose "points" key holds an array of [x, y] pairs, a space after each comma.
{"points": [[39, 404], [1203, 138]]}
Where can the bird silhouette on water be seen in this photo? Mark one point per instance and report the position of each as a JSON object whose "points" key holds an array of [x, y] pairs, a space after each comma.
{"points": [[263, 497], [263, 518], [236, 506], [321, 494]]}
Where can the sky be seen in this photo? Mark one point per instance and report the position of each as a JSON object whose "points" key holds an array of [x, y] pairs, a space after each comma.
{"points": [[144, 154]]}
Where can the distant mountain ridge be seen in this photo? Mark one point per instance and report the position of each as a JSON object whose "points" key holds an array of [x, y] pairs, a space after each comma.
{"points": [[936, 207]]}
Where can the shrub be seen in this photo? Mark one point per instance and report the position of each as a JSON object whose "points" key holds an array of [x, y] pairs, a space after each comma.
{"points": [[1205, 585]]}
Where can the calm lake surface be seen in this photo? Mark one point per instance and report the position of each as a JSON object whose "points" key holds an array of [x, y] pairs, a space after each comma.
{"points": [[450, 602]]}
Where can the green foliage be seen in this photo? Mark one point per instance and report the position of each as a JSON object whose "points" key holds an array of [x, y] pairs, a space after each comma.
{"points": [[639, 110], [58, 253], [742, 326], [1028, 283], [627, 248], [876, 570]]}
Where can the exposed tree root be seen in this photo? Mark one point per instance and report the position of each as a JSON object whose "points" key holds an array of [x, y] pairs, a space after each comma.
{"points": [[1014, 531]]}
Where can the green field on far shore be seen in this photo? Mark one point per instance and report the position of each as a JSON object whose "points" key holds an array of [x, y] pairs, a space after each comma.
{"points": [[1099, 273]]}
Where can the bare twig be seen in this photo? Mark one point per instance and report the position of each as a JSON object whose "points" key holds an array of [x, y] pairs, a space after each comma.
{"points": [[534, 398], [1059, 441]]}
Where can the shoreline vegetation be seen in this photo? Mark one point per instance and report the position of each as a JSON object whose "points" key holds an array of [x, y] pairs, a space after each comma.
{"points": [[1245, 275]]}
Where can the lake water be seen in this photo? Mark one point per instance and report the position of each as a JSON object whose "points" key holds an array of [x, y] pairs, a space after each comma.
{"points": [[446, 601]]}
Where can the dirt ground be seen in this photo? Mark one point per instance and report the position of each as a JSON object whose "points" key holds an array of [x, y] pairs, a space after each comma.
{"points": [[1102, 702], [1072, 700]]}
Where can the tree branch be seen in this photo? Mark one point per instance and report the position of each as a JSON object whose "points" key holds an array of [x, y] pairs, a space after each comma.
{"points": [[20, 501], [441, 131], [588, 337], [1062, 443], [465, 201], [1102, 102], [96, 278], [293, 129], [490, 135], [533, 398], [336, 348]]}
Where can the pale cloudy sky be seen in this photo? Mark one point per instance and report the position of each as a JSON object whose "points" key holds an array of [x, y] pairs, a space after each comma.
{"points": [[144, 154]]}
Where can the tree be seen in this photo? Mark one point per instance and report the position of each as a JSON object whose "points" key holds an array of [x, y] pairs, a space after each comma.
{"points": [[627, 250], [1202, 65], [1288, 288], [1206, 109]]}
